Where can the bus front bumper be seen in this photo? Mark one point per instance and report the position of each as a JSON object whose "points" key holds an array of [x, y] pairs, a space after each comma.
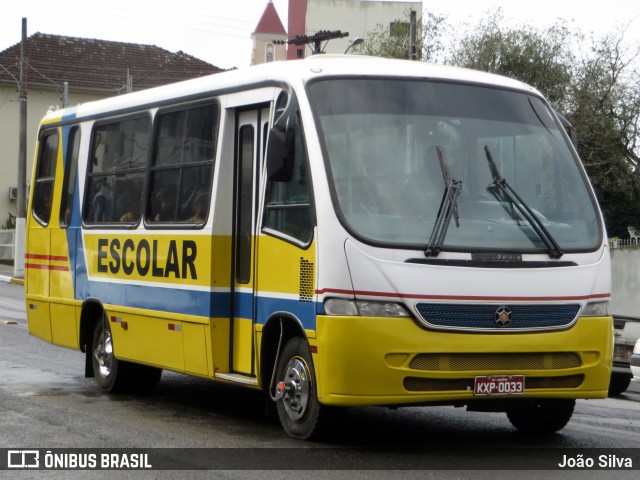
{"points": [[393, 361]]}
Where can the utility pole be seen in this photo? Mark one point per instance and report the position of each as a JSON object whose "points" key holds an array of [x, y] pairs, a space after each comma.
{"points": [[65, 94], [21, 207], [412, 35]]}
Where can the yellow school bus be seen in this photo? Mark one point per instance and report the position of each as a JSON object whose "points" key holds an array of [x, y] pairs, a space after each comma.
{"points": [[335, 231]]}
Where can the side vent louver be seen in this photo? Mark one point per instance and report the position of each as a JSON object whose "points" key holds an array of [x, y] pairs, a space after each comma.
{"points": [[306, 280]]}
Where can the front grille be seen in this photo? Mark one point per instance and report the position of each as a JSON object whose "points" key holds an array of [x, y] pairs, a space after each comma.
{"points": [[495, 361], [484, 317], [415, 384]]}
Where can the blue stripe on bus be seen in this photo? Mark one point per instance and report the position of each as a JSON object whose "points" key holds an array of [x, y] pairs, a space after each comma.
{"points": [[193, 302], [74, 238], [304, 311], [188, 302]]}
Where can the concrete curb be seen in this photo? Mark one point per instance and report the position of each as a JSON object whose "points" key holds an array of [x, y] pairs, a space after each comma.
{"points": [[12, 280]]}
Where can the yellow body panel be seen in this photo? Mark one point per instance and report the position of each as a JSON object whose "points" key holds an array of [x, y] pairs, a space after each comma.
{"points": [[37, 261], [221, 260], [280, 264], [39, 319], [242, 344], [64, 330], [60, 279], [197, 358], [364, 360], [148, 339], [220, 331]]}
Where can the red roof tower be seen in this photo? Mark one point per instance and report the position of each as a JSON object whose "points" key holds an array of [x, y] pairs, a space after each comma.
{"points": [[269, 29]]}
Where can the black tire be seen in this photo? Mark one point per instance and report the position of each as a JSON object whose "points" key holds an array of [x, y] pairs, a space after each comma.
{"points": [[299, 410], [540, 416], [116, 376], [619, 383]]}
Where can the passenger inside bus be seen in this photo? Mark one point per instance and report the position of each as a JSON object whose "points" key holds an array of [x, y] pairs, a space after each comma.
{"points": [[200, 208], [129, 205], [103, 201], [165, 204]]}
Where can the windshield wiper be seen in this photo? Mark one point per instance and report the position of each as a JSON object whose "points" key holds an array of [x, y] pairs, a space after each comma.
{"points": [[448, 208], [500, 183]]}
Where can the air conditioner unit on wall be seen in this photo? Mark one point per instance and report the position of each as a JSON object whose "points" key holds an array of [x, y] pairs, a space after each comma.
{"points": [[13, 193]]}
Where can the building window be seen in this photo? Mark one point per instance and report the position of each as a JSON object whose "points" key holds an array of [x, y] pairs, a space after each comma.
{"points": [[269, 55], [399, 29]]}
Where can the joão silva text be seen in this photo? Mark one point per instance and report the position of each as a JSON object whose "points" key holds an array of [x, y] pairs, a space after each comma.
{"points": [[604, 461]]}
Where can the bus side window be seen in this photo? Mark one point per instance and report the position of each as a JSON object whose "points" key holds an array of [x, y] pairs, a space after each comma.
{"points": [[70, 171], [117, 169], [288, 205], [45, 175], [182, 164]]}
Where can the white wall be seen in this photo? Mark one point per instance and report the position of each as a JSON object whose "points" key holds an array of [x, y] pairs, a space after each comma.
{"points": [[354, 16], [625, 279], [38, 102]]}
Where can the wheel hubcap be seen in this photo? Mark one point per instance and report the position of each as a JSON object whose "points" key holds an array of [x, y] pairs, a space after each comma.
{"points": [[103, 354], [296, 396]]}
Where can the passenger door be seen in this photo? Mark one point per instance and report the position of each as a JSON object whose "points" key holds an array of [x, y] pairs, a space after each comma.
{"points": [[249, 154]]}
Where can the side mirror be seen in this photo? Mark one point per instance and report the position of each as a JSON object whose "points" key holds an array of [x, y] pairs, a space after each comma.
{"points": [[281, 147], [281, 153]]}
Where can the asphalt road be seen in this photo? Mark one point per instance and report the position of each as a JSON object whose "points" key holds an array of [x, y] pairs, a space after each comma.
{"points": [[46, 403]]}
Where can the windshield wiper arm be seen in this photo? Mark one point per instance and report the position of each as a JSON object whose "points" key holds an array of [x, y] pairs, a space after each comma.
{"points": [[448, 209], [536, 224]]}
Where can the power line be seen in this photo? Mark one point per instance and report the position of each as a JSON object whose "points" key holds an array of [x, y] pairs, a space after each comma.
{"points": [[315, 39], [31, 67], [10, 74]]}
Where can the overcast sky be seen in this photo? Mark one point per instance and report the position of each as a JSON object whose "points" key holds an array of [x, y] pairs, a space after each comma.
{"points": [[218, 31]]}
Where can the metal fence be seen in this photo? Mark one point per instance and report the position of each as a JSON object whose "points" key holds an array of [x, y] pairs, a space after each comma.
{"points": [[7, 244], [624, 243]]}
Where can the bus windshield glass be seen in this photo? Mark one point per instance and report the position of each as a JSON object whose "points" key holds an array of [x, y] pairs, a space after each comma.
{"points": [[394, 148]]}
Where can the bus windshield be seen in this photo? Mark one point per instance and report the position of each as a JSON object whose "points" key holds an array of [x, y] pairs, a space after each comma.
{"points": [[394, 147]]}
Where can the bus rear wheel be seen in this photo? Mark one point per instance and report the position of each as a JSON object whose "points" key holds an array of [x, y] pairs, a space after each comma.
{"points": [[540, 416], [116, 376], [298, 408]]}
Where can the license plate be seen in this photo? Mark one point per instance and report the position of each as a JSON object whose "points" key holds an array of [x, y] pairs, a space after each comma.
{"points": [[499, 385]]}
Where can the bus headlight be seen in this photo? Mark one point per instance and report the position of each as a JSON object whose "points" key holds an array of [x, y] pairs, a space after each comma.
{"points": [[363, 308], [596, 309]]}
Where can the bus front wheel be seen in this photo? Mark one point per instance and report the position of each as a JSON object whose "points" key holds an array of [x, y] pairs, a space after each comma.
{"points": [[540, 416], [298, 407]]}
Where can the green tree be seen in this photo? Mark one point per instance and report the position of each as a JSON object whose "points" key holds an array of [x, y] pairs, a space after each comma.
{"points": [[392, 41], [603, 104], [596, 90], [542, 58]]}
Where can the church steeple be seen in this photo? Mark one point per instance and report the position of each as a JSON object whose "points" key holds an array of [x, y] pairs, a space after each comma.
{"points": [[269, 28]]}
